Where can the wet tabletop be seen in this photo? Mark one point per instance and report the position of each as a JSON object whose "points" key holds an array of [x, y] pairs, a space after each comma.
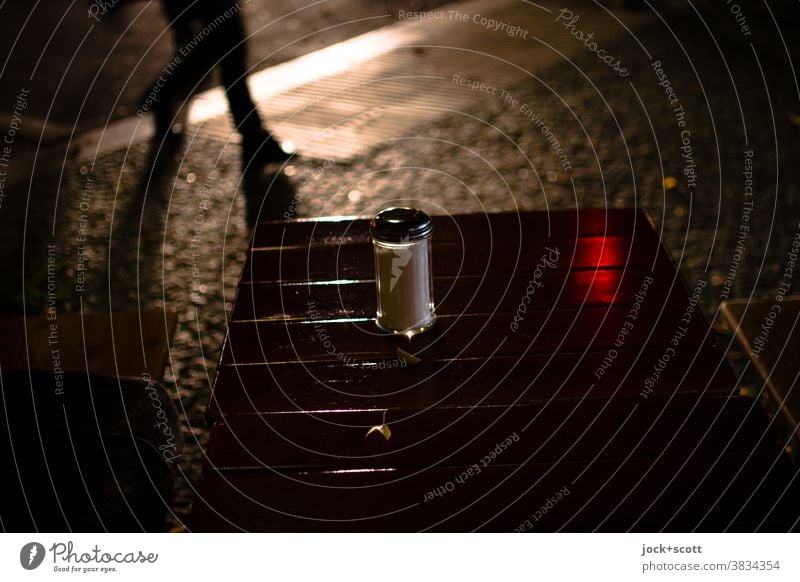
{"points": [[568, 355]]}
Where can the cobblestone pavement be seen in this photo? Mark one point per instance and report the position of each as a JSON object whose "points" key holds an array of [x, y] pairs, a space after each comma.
{"points": [[735, 108]]}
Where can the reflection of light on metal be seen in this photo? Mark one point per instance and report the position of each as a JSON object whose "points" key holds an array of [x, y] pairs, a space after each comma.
{"points": [[670, 182]]}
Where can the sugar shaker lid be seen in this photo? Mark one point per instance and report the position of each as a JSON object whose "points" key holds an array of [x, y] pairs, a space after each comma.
{"points": [[395, 225]]}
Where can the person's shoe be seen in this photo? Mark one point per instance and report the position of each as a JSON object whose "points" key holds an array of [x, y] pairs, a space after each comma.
{"points": [[261, 150]]}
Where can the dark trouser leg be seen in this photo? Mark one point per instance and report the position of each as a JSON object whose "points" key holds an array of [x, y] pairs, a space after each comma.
{"points": [[233, 68], [224, 45], [176, 81], [258, 147]]}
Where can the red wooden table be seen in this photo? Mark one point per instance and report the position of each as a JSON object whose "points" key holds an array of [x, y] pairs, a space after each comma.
{"points": [[570, 382]]}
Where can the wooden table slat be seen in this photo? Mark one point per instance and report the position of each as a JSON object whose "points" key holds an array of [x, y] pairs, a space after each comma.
{"points": [[557, 431], [675, 494], [473, 257], [498, 381], [560, 289], [584, 222], [568, 330]]}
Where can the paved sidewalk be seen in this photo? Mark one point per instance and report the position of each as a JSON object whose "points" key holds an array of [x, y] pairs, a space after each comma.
{"points": [[338, 102]]}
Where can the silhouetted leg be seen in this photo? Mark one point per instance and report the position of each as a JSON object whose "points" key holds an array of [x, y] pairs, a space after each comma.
{"points": [[172, 88], [210, 33], [258, 147], [233, 70]]}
